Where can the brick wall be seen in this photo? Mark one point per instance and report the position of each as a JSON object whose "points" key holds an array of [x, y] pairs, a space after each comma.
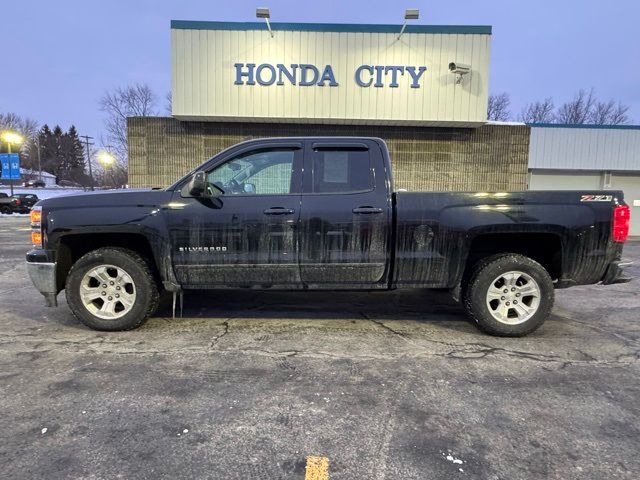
{"points": [[489, 158]]}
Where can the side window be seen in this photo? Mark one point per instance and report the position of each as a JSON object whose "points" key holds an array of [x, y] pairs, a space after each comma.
{"points": [[263, 172], [341, 171]]}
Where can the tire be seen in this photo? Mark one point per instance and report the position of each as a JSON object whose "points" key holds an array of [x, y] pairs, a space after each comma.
{"points": [[518, 311], [6, 210], [127, 276]]}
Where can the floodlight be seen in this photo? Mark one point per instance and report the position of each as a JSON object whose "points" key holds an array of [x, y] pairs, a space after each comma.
{"points": [[409, 14], [262, 13], [266, 14]]}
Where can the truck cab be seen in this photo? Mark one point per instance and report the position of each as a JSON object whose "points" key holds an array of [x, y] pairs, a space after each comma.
{"points": [[286, 213]]}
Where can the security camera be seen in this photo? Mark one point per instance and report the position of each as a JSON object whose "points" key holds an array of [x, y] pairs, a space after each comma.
{"points": [[459, 68]]}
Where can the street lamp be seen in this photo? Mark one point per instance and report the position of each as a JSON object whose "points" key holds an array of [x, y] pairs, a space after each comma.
{"points": [[107, 160], [11, 138]]}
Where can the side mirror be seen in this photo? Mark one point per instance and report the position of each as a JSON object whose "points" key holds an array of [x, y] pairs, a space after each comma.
{"points": [[197, 186], [249, 188]]}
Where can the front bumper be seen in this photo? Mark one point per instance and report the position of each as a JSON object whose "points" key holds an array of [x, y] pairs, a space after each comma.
{"points": [[615, 273], [43, 276]]}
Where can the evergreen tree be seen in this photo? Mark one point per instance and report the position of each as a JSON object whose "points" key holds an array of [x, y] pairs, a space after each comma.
{"points": [[73, 164], [48, 150]]}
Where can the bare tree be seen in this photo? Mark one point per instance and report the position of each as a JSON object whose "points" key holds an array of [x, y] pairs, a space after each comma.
{"points": [[25, 126], [585, 108], [498, 107], [538, 112], [169, 105], [133, 101], [577, 110], [609, 113]]}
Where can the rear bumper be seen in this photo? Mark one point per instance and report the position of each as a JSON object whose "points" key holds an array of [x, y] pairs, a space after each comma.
{"points": [[43, 277], [615, 273]]}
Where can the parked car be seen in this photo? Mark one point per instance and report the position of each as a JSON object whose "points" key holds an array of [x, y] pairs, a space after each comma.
{"points": [[18, 203], [25, 201], [34, 183], [6, 204], [321, 213]]}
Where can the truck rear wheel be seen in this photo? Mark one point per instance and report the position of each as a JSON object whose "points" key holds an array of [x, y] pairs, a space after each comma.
{"points": [[508, 295], [111, 289]]}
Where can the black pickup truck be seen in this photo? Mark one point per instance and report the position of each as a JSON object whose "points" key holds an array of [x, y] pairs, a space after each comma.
{"points": [[322, 213]]}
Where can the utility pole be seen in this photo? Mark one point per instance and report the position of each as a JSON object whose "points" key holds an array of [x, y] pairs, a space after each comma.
{"points": [[39, 161], [86, 142]]}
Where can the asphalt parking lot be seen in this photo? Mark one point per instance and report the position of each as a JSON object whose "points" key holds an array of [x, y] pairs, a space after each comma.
{"points": [[385, 386]]}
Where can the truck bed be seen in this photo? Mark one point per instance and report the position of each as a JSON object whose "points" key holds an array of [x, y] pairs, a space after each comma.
{"points": [[435, 231]]}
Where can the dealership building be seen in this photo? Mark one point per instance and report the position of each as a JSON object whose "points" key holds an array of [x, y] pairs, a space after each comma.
{"points": [[424, 90]]}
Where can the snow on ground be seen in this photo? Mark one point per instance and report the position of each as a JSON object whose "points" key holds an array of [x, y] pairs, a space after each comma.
{"points": [[42, 193]]}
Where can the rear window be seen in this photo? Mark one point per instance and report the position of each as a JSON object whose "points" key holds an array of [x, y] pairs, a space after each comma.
{"points": [[341, 171]]}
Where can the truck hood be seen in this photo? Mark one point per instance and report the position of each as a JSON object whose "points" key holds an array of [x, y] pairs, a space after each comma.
{"points": [[112, 198]]}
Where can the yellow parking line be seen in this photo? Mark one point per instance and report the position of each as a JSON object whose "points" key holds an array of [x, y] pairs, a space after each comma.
{"points": [[317, 468]]}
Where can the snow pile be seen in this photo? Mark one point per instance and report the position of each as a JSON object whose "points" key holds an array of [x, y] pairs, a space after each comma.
{"points": [[450, 458]]}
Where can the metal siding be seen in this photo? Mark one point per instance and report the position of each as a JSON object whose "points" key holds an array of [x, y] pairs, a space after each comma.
{"points": [[204, 75], [584, 148], [564, 180]]}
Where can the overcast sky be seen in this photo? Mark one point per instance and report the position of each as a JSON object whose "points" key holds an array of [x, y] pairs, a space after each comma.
{"points": [[59, 57]]}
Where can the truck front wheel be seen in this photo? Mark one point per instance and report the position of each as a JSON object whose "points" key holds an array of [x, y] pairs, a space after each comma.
{"points": [[508, 295], [111, 289]]}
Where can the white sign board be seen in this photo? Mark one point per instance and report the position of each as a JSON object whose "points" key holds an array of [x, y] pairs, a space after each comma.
{"points": [[332, 73]]}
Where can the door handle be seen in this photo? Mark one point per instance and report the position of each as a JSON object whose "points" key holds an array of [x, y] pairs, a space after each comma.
{"points": [[279, 211], [367, 210]]}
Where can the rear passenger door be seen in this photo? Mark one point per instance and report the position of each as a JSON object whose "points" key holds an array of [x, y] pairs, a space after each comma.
{"points": [[345, 216]]}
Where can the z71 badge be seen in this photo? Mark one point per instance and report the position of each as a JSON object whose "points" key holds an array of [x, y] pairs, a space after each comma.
{"points": [[596, 198]]}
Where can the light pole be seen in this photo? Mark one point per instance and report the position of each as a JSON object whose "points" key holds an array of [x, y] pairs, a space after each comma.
{"points": [[12, 138], [39, 161]]}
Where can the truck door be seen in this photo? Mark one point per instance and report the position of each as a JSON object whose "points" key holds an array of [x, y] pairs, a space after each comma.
{"points": [[345, 217], [248, 236]]}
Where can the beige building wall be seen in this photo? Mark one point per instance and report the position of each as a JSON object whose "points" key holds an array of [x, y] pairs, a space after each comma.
{"points": [[489, 158]]}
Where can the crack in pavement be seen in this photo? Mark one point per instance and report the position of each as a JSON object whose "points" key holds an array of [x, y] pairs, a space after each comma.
{"points": [[628, 342], [383, 325], [217, 338], [475, 352]]}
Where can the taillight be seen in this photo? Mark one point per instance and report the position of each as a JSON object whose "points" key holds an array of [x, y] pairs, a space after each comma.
{"points": [[18, 202], [36, 226], [36, 216], [36, 238], [621, 222]]}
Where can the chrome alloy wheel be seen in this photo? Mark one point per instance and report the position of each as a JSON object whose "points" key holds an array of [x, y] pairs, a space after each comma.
{"points": [[108, 292], [513, 298]]}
